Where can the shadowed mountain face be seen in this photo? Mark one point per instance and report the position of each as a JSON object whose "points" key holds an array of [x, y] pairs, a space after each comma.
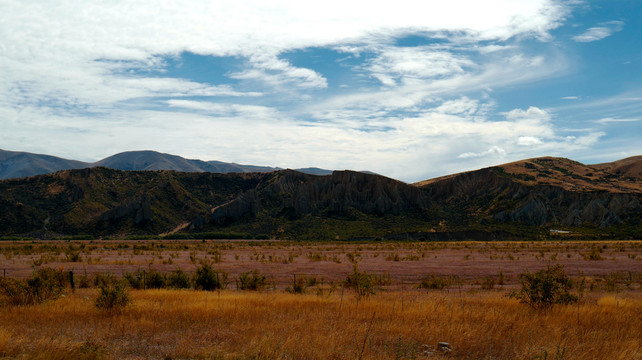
{"points": [[21, 164], [520, 199], [103, 201]]}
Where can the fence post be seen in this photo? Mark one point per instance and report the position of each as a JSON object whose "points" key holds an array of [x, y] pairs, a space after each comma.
{"points": [[71, 281]]}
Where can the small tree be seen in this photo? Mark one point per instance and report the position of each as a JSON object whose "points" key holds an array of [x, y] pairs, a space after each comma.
{"points": [[545, 288]]}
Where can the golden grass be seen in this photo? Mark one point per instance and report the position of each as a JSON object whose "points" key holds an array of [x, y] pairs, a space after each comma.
{"points": [[274, 325]]}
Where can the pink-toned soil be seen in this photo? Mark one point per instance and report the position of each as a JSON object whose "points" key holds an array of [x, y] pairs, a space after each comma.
{"points": [[404, 263]]}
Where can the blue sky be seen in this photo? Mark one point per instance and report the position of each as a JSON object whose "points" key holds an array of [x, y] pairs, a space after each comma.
{"points": [[408, 89]]}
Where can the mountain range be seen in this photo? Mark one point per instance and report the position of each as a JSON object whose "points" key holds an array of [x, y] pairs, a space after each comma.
{"points": [[536, 198], [15, 164]]}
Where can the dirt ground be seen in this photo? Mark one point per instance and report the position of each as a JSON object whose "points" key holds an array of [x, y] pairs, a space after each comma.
{"points": [[403, 262]]}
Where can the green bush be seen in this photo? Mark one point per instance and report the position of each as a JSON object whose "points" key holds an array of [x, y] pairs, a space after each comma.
{"points": [[488, 283], [432, 282], [298, 285], [363, 283], [545, 288], [135, 280], [155, 280], [104, 279], [150, 279], [44, 284], [113, 297], [251, 280], [178, 279], [207, 278]]}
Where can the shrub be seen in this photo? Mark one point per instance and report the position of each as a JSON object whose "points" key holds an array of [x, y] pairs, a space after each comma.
{"points": [[363, 283], [207, 278], [155, 280], [142, 279], [44, 284], [545, 288], [103, 279], [300, 284], [251, 280], [488, 283], [178, 279], [431, 281], [135, 280], [113, 297]]}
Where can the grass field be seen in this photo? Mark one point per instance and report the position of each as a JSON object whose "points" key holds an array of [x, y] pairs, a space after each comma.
{"points": [[328, 321], [174, 324]]}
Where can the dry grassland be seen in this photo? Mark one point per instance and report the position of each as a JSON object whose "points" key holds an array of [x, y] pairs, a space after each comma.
{"points": [[174, 324], [399, 321]]}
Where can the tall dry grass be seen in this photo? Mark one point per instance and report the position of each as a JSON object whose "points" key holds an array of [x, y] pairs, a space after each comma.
{"points": [[274, 325]]}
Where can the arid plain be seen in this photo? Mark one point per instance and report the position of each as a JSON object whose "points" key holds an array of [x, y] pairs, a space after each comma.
{"points": [[464, 304]]}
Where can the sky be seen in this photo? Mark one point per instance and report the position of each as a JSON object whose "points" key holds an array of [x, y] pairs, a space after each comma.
{"points": [[407, 89]]}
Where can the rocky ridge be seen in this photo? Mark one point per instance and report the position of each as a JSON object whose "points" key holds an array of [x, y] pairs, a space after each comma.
{"points": [[527, 197]]}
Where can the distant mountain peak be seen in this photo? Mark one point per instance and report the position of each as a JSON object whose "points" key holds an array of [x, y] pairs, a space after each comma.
{"points": [[15, 164]]}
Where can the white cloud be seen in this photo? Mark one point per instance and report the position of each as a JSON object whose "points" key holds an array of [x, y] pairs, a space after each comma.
{"points": [[395, 64], [67, 48], [532, 113], [609, 120], [277, 72], [494, 151], [247, 112], [96, 69], [599, 32], [528, 141], [463, 105]]}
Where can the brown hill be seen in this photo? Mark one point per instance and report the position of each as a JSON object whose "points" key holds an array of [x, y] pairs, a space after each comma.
{"points": [[621, 176], [543, 191], [629, 167]]}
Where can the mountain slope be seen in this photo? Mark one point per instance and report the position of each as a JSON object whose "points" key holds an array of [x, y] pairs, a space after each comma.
{"points": [[21, 164], [540, 192], [629, 167], [102, 201], [523, 199]]}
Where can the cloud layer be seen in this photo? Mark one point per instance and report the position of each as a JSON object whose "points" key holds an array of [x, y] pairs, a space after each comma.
{"points": [[408, 92]]}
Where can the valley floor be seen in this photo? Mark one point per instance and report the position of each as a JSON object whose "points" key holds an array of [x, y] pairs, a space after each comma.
{"points": [[601, 263]]}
